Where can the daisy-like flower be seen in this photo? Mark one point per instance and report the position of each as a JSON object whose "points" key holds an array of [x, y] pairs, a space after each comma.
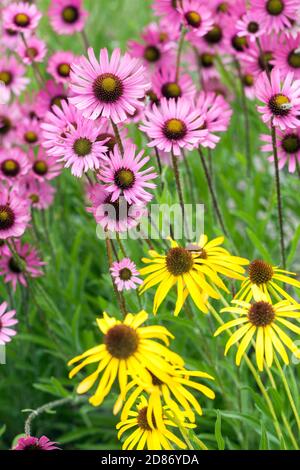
{"points": [[288, 146], [276, 14], [176, 124], [12, 75], [180, 267], [174, 392], [57, 125], [14, 214], [21, 17], [164, 84], [59, 66], [108, 88], [52, 94], [43, 167], [153, 50], [67, 16], [9, 117], [196, 17], [29, 132], [250, 26], [9, 38], [15, 270], [214, 38], [128, 349], [234, 43], [117, 216], [281, 99], [38, 193], [125, 274], [168, 9], [264, 320], [33, 51], [287, 56], [13, 164], [35, 443], [124, 175], [216, 112], [263, 279], [259, 59], [6, 321], [81, 149], [149, 434]]}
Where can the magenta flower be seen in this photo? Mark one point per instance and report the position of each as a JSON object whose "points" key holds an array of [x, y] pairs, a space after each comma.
{"points": [[165, 85], [35, 443], [276, 14], [152, 50], [6, 321], [9, 38], [173, 126], [281, 99], [21, 17], [14, 271], [169, 9], [287, 55], [29, 132], [288, 147], [196, 17], [125, 274], [13, 165], [34, 50], [123, 175], [67, 16], [59, 66], [12, 75], [14, 214], [117, 216], [43, 167], [52, 94], [256, 60], [39, 194], [109, 88], [250, 26], [9, 117]]}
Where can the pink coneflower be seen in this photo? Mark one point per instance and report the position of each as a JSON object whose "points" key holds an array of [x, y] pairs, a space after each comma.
{"points": [[67, 16], [168, 9], [196, 17], [56, 127], [21, 17], [125, 274], [152, 50], [250, 26], [216, 112], [287, 56], [9, 117], [165, 85], [281, 98], [123, 175], [202, 61], [13, 164], [14, 214], [108, 88], [258, 59], [14, 270], [6, 321], [276, 14], [288, 147], [52, 94], [117, 216], [235, 44], [39, 194], [82, 151], [29, 132], [222, 9], [9, 38], [33, 51], [12, 75], [59, 66], [214, 38], [43, 167], [173, 126], [35, 443]]}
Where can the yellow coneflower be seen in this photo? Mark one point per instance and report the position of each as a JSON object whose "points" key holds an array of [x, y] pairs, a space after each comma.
{"points": [[152, 435], [127, 350], [172, 393], [264, 320], [262, 279]]}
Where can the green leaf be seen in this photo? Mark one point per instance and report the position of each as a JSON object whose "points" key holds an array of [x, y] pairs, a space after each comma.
{"points": [[218, 432], [294, 246], [2, 430], [264, 443], [259, 245]]}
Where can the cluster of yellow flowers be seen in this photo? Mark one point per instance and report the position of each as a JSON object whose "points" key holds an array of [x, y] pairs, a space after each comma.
{"points": [[153, 380]]}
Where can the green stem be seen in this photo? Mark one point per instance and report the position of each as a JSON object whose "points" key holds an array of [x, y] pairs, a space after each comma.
{"points": [[118, 137], [288, 391]]}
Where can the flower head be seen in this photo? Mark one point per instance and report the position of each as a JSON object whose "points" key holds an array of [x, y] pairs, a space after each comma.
{"points": [[109, 88], [14, 165], [276, 14], [67, 16], [33, 51], [125, 274], [196, 17], [288, 148], [287, 55], [36, 191], [14, 214], [52, 94], [35, 443], [6, 321], [29, 132], [12, 75], [21, 17], [59, 66], [165, 85], [216, 112]]}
